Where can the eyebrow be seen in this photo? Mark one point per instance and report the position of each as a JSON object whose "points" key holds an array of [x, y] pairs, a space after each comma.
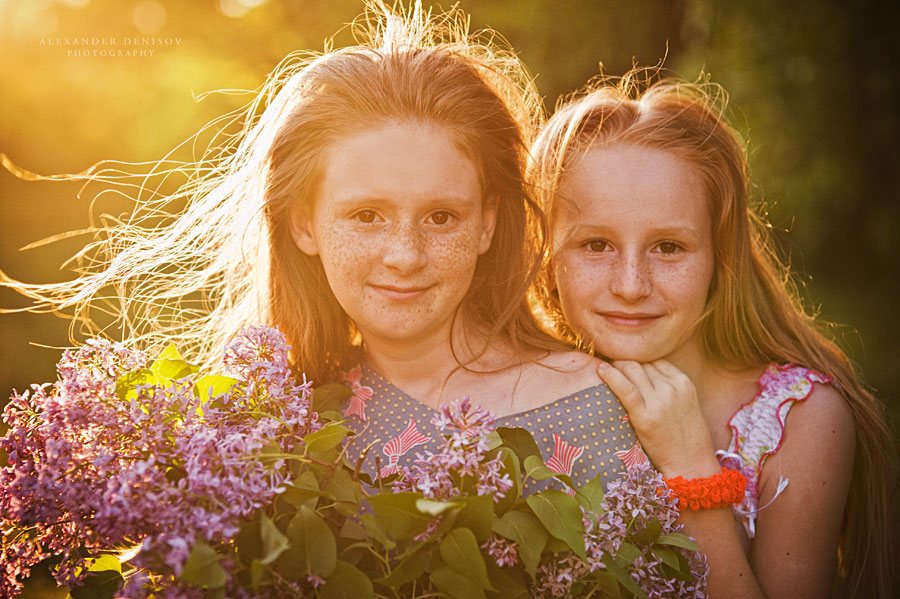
{"points": [[600, 230], [355, 199]]}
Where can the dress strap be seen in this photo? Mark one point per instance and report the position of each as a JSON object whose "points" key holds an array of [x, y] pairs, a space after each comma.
{"points": [[757, 430]]}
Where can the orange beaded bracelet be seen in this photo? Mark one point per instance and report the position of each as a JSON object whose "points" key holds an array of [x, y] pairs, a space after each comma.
{"points": [[718, 490]]}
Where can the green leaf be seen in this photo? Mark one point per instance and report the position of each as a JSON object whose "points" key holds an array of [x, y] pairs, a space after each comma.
{"points": [[677, 539], [126, 383], [202, 567], [408, 569], [608, 583], [458, 586], [98, 585], [520, 441], [591, 495], [561, 515], [510, 583], [257, 573], [330, 397], [377, 532], [170, 365], [174, 369], [325, 438], [650, 533], [436, 508], [525, 529], [213, 385], [274, 542], [536, 469], [345, 491], [622, 577], [668, 556], [398, 515], [494, 440], [555, 545], [460, 551], [248, 540], [477, 515], [313, 548], [347, 582], [103, 563], [627, 554], [512, 468]]}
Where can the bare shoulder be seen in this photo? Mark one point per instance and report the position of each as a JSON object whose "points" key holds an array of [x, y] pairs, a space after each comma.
{"points": [[819, 441], [823, 415]]}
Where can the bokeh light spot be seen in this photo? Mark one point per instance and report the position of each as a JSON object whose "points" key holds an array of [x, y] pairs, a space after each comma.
{"points": [[149, 16]]}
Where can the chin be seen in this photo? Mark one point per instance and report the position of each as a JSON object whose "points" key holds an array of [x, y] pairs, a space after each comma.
{"points": [[626, 353]]}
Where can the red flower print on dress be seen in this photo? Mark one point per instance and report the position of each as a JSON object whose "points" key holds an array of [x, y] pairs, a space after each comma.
{"points": [[361, 393], [634, 456], [563, 458], [399, 445]]}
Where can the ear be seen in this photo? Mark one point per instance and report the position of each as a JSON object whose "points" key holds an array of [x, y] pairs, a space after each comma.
{"points": [[488, 223], [301, 231]]}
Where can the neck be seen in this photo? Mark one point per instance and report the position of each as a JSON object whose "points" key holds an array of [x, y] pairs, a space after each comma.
{"points": [[422, 367], [706, 376]]}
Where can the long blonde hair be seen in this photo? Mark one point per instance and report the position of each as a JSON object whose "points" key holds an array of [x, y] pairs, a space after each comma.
{"points": [[197, 265], [754, 315]]}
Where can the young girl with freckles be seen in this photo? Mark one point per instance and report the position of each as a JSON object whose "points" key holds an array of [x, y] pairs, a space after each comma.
{"points": [[660, 266], [375, 210]]}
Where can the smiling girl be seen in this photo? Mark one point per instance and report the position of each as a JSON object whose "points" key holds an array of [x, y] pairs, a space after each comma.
{"points": [[374, 209], [660, 266]]}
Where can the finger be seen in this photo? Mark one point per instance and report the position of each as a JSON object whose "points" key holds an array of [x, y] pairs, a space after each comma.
{"points": [[638, 376], [676, 376], [621, 385]]}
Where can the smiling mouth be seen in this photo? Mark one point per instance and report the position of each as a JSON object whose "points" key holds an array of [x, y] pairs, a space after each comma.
{"points": [[399, 293], [629, 319]]}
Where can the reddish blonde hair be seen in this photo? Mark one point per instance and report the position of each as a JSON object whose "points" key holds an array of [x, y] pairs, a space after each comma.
{"points": [[196, 265], [754, 315]]}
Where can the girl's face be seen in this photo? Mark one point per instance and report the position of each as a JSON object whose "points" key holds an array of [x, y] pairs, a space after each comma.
{"points": [[398, 223], [634, 257]]}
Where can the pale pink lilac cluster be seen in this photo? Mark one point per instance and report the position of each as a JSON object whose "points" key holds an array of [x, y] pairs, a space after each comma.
{"points": [[90, 471], [630, 504], [503, 551], [460, 465]]}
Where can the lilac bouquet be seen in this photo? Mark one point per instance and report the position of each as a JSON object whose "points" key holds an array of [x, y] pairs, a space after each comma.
{"points": [[136, 479], [121, 460]]}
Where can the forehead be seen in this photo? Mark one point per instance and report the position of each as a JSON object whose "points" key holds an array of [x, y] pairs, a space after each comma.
{"points": [[624, 182], [398, 161]]}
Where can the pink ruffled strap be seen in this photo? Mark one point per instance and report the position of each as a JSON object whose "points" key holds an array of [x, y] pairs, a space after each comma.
{"points": [[757, 430]]}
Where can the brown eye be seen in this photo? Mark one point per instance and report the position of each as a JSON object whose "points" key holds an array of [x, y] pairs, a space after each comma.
{"points": [[668, 247], [441, 217], [366, 216], [596, 245]]}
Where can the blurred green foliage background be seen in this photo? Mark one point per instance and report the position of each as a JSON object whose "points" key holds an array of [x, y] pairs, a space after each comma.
{"points": [[813, 85]]}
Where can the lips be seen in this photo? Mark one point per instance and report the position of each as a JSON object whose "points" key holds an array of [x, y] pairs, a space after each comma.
{"points": [[400, 293], [629, 319]]}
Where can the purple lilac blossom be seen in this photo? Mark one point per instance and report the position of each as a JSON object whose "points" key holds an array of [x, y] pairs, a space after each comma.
{"points": [[88, 471], [461, 459], [630, 504]]}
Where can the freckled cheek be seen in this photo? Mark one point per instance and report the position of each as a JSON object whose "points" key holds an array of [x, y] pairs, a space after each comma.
{"points": [[689, 287], [455, 255], [345, 257], [578, 282]]}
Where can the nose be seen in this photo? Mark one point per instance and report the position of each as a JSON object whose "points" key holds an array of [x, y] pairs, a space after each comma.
{"points": [[405, 250], [630, 278]]}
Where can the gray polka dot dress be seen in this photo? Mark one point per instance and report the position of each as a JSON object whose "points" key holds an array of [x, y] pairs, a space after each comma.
{"points": [[584, 434]]}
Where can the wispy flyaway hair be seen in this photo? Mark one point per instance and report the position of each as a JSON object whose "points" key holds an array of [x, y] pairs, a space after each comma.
{"points": [[196, 265]]}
